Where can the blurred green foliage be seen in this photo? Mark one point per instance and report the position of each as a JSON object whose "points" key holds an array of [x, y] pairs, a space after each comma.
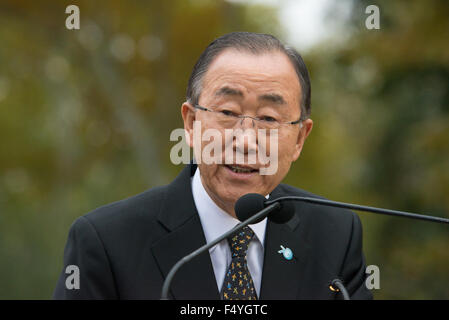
{"points": [[86, 115]]}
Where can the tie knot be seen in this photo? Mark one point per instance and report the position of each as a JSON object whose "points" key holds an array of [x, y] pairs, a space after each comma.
{"points": [[239, 242]]}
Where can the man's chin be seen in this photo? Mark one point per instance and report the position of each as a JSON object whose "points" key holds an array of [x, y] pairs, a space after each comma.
{"points": [[234, 195]]}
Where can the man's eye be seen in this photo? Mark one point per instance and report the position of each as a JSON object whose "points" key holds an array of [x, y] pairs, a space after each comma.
{"points": [[268, 119], [227, 113]]}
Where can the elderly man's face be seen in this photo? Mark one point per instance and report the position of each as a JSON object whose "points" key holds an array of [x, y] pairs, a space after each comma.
{"points": [[264, 85]]}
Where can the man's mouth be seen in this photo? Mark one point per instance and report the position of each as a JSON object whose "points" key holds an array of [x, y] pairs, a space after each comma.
{"points": [[241, 169]]}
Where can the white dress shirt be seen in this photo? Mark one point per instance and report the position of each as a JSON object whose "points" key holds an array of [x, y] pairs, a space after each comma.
{"points": [[216, 222]]}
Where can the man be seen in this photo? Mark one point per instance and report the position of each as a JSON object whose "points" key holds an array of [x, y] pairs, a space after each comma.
{"points": [[125, 250]]}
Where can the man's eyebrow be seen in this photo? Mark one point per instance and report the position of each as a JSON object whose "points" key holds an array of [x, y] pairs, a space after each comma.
{"points": [[228, 91], [272, 97], [269, 97]]}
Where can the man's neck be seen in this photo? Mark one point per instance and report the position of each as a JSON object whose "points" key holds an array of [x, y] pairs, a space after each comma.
{"points": [[225, 206]]}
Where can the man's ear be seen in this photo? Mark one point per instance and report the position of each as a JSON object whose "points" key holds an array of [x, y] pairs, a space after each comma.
{"points": [[188, 116], [302, 136]]}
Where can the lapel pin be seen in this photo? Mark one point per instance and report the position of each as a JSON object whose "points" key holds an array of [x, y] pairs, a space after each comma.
{"points": [[286, 252]]}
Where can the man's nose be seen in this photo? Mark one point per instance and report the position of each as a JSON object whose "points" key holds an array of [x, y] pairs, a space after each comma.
{"points": [[247, 122], [246, 141]]}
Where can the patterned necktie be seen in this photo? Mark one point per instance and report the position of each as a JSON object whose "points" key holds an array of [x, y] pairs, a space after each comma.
{"points": [[238, 284]]}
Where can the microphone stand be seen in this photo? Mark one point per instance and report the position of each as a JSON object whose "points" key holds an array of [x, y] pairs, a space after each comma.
{"points": [[260, 215], [361, 208], [338, 286]]}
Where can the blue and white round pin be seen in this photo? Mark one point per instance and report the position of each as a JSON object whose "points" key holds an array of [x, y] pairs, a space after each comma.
{"points": [[286, 252]]}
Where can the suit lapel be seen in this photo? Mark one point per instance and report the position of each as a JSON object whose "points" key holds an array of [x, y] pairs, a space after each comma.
{"points": [[196, 279], [282, 278]]}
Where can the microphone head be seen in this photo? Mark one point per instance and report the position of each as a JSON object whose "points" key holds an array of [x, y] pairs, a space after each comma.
{"points": [[248, 205], [251, 203], [284, 213]]}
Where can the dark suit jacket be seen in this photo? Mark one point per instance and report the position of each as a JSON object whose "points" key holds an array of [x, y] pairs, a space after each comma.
{"points": [[125, 249]]}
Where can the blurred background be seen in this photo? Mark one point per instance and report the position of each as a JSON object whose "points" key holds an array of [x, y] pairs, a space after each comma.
{"points": [[86, 116]]}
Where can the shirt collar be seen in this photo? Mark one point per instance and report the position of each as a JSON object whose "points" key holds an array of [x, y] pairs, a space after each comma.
{"points": [[216, 221]]}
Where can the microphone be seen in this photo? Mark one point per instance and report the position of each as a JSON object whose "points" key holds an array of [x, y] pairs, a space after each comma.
{"points": [[251, 203], [250, 208]]}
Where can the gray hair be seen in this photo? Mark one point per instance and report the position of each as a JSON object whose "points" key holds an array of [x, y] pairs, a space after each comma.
{"points": [[255, 43]]}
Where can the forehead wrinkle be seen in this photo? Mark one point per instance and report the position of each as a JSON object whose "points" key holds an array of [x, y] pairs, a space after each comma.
{"points": [[230, 77], [221, 76], [228, 85]]}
